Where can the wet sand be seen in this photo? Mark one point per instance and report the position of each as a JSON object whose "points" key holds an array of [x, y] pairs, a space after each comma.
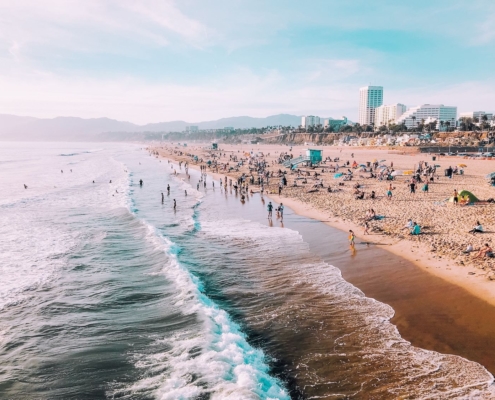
{"points": [[430, 312]]}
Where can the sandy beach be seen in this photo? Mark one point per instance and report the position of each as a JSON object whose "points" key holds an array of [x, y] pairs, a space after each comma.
{"points": [[438, 250]]}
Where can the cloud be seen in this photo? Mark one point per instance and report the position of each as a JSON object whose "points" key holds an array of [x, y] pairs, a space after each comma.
{"points": [[94, 25]]}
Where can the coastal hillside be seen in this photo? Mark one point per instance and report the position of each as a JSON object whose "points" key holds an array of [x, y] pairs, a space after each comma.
{"points": [[14, 127]]}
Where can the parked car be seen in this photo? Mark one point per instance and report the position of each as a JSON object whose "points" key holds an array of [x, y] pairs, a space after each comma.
{"points": [[487, 154], [441, 154]]}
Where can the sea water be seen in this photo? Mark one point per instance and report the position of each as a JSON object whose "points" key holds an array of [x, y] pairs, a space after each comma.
{"points": [[107, 292]]}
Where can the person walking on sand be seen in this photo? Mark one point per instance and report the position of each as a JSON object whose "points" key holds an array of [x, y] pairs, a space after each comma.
{"points": [[352, 238], [425, 187], [366, 227], [389, 191], [412, 186], [455, 197], [270, 209]]}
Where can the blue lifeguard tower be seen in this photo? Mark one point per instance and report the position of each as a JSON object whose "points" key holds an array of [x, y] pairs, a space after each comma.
{"points": [[314, 156]]}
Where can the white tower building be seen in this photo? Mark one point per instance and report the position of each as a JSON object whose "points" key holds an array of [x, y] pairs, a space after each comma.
{"points": [[385, 115], [370, 97]]}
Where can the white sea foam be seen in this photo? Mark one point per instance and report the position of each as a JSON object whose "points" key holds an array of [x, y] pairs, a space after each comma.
{"points": [[226, 366]]}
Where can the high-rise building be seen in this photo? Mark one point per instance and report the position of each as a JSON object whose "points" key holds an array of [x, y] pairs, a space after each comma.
{"points": [[388, 114], [370, 97], [414, 116], [309, 120], [477, 114]]}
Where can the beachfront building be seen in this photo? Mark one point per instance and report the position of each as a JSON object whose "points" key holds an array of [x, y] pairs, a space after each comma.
{"points": [[431, 112], [370, 97], [309, 120], [191, 128], [335, 124], [479, 117], [388, 114]]}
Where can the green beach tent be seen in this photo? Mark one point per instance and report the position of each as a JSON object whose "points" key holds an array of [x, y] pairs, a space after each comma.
{"points": [[463, 194]]}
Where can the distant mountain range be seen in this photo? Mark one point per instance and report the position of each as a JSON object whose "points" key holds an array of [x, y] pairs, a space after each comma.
{"points": [[14, 127]]}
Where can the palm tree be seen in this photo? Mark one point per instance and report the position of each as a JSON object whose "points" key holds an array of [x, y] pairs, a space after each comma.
{"points": [[414, 120], [447, 123]]}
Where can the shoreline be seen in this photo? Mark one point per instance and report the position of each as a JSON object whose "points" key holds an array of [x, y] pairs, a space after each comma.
{"points": [[472, 279], [427, 322]]}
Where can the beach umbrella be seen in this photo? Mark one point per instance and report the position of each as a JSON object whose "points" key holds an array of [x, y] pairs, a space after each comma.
{"points": [[362, 165], [490, 175], [462, 165], [382, 167], [383, 160], [437, 165], [375, 160]]}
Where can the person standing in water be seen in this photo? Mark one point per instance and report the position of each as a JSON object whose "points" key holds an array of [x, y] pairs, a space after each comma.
{"points": [[175, 205], [185, 191], [140, 182], [163, 197], [281, 210], [270, 209], [352, 238], [168, 190]]}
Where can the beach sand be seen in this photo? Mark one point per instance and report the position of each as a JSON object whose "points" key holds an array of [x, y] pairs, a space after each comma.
{"points": [[445, 226]]}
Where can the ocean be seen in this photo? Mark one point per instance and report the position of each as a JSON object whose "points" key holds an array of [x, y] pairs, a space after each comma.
{"points": [[108, 293]]}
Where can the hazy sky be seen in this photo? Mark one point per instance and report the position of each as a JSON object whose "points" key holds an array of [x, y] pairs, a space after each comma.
{"points": [[149, 61]]}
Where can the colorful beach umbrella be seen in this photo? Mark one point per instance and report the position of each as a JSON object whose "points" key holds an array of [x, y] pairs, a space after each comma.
{"points": [[462, 165]]}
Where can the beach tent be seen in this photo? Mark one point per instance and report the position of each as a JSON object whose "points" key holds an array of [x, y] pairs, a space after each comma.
{"points": [[463, 194]]}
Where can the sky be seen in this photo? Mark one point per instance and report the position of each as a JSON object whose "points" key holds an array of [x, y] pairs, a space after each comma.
{"points": [[196, 60]]}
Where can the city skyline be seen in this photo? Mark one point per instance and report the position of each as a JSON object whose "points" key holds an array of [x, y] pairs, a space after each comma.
{"points": [[159, 61]]}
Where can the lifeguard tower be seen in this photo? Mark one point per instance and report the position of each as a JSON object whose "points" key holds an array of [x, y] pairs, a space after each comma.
{"points": [[313, 157]]}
